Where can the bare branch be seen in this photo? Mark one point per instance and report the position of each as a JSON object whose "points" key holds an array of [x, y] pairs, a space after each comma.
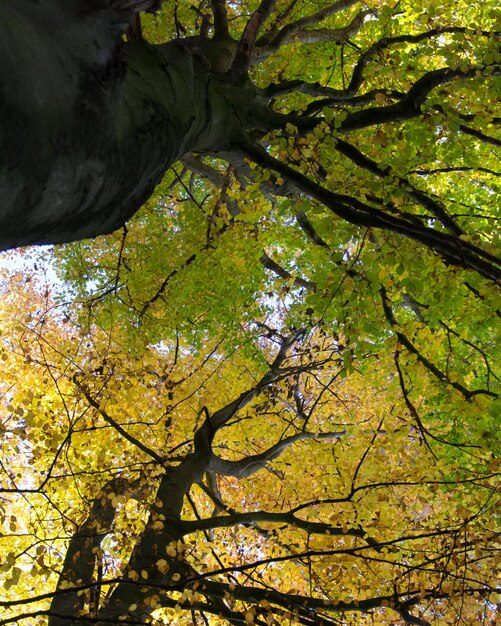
{"points": [[253, 463], [220, 13], [297, 32], [247, 42]]}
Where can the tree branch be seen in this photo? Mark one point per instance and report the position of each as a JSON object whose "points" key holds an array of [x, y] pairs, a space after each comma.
{"points": [[148, 6], [428, 203], [120, 429], [277, 269], [164, 526], [297, 31], [467, 130], [220, 13], [251, 464], [218, 419], [244, 519], [310, 20], [247, 42], [441, 376], [452, 249], [409, 106], [332, 97], [364, 60], [297, 603], [309, 230]]}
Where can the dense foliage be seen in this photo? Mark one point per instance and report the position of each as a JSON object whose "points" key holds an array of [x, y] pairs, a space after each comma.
{"points": [[271, 397]]}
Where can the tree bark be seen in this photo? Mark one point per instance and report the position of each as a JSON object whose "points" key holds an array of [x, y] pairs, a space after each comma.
{"points": [[89, 124]]}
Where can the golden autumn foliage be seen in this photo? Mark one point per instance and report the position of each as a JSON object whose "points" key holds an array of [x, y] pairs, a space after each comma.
{"points": [[252, 404], [365, 510]]}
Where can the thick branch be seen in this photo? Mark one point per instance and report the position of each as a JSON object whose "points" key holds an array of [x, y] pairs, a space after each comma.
{"points": [[163, 529], [304, 605], [364, 60], [334, 35], [218, 419], [312, 528], [467, 130], [331, 96], [309, 230], [149, 6], [297, 32], [310, 20], [220, 13], [253, 463], [409, 106], [431, 205], [247, 42], [451, 248], [164, 526]]}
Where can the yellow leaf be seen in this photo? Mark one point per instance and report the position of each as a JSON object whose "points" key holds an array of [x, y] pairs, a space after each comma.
{"points": [[162, 566]]}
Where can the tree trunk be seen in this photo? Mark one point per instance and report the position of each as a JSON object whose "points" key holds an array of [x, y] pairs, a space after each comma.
{"points": [[89, 124]]}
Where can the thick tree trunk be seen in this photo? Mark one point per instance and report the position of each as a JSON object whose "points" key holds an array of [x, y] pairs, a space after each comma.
{"points": [[89, 124]]}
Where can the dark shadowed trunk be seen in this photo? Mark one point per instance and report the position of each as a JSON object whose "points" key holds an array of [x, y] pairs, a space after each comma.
{"points": [[90, 123]]}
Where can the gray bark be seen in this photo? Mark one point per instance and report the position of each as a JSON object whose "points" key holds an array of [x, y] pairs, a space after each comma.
{"points": [[89, 124]]}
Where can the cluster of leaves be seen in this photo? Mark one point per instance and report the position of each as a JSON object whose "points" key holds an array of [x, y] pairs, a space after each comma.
{"points": [[335, 382], [372, 502]]}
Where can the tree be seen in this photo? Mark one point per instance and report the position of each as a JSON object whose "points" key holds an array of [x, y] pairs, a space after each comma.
{"points": [[109, 118], [271, 397], [191, 486]]}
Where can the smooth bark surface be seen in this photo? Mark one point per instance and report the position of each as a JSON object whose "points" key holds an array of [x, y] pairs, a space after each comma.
{"points": [[90, 124]]}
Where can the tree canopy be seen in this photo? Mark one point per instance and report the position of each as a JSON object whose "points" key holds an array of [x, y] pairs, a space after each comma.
{"points": [[271, 396]]}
